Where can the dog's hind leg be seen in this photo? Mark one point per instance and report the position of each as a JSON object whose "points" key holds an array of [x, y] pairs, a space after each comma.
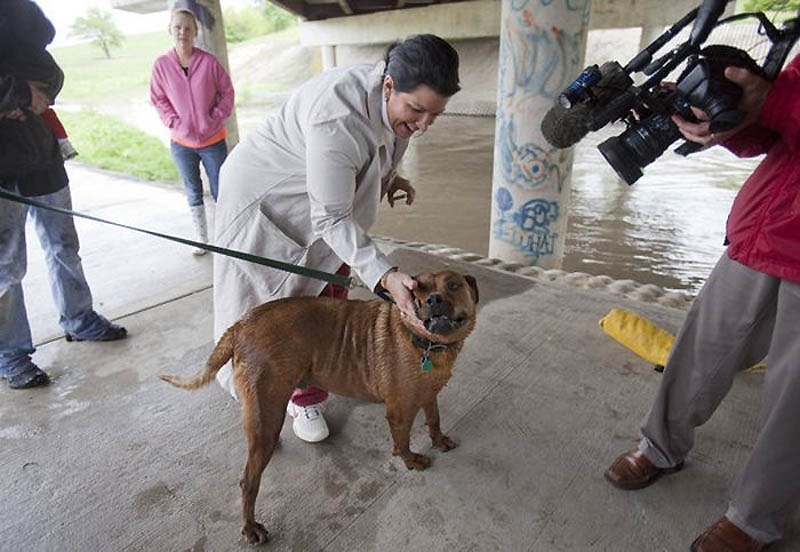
{"points": [[262, 420], [439, 439], [400, 418]]}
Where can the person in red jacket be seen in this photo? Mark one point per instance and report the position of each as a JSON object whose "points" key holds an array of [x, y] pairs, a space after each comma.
{"points": [[749, 306], [193, 96]]}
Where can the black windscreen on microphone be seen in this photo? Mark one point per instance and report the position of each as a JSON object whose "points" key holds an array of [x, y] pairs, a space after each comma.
{"points": [[563, 127]]}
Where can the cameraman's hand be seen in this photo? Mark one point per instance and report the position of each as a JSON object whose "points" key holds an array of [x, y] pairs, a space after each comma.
{"points": [[754, 93], [698, 132]]}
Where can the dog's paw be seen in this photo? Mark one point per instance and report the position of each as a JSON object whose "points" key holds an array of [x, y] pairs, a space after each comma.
{"points": [[444, 443], [416, 461], [255, 533]]}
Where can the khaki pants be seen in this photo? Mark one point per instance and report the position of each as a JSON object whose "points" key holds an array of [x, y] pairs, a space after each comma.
{"points": [[739, 316]]}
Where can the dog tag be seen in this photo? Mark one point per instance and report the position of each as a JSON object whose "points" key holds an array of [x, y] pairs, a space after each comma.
{"points": [[427, 365]]}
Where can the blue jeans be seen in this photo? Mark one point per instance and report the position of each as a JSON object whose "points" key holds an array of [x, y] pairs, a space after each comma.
{"points": [[68, 285], [188, 162]]}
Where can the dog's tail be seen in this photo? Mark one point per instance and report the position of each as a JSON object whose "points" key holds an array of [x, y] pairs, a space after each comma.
{"points": [[221, 354]]}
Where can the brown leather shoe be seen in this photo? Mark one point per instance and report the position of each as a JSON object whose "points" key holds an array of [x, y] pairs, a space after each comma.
{"points": [[633, 470], [724, 536]]}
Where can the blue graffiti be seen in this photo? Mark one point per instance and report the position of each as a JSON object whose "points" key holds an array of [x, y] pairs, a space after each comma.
{"points": [[535, 59], [577, 5], [517, 5], [503, 199], [529, 227], [526, 165], [530, 58]]}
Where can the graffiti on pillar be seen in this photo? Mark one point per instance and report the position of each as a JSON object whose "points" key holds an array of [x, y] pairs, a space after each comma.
{"points": [[537, 59], [534, 59], [529, 227], [535, 62], [526, 165], [572, 5]]}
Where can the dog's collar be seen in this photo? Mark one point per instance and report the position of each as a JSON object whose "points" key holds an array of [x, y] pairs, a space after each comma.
{"points": [[427, 347], [426, 344]]}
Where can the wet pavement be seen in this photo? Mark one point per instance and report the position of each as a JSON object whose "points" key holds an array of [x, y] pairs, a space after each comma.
{"points": [[110, 458]]}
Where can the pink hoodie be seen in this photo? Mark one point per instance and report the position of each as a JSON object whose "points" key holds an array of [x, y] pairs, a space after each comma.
{"points": [[194, 106]]}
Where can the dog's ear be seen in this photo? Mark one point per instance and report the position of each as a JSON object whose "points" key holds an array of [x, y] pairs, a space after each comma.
{"points": [[473, 284]]}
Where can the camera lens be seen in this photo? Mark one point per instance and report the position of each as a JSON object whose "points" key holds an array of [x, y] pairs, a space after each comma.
{"points": [[639, 145], [616, 153]]}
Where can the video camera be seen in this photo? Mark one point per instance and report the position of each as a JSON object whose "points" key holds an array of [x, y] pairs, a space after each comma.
{"points": [[606, 93]]}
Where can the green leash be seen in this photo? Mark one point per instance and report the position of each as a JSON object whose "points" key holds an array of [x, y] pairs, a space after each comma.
{"points": [[336, 279]]}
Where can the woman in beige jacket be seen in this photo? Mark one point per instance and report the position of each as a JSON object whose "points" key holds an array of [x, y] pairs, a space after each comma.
{"points": [[304, 188]]}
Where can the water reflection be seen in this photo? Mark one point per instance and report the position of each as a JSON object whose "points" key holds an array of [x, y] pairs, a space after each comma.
{"points": [[667, 229]]}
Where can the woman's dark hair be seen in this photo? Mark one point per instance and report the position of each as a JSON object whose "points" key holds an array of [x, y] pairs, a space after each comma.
{"points": [[423, 59]]}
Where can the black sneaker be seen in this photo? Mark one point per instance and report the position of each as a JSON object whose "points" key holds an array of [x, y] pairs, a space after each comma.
{"points": [[33, 376], [112, 333]]}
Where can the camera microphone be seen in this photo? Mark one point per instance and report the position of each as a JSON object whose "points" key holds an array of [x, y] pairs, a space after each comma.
{"points": [[563, 127]]}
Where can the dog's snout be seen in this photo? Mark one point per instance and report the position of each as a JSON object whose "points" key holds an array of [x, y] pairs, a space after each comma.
{"points": [[434, 299]]}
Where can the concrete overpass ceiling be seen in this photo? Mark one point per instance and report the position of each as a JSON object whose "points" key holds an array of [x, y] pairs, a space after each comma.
{"points": [[316, 10], [605, 14]]}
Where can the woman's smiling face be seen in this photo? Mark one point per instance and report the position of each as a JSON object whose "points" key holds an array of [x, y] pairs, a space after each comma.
{"points": [[412, 112]]}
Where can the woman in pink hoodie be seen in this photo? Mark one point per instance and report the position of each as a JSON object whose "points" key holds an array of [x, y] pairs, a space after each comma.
{"points": [[194, 96]]}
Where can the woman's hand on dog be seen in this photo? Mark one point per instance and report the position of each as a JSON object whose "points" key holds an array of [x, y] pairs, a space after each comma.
{"points": [[400, 188], [400, 285]]}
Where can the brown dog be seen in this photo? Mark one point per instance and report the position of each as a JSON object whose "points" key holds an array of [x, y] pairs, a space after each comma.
{"points": [[361, 349]]}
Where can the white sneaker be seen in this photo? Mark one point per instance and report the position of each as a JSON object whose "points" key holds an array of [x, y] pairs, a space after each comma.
{"points": [[309, 424]]}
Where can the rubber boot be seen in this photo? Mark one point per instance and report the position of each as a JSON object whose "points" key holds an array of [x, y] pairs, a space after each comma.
{"points": [[200, 227]]}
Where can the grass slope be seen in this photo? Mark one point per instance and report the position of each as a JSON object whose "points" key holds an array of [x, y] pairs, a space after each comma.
{"points": [[102, 101]]}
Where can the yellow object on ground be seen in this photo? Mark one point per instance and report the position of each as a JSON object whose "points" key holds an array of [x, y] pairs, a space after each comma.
{"points": [[639, 335], [643, 337]]}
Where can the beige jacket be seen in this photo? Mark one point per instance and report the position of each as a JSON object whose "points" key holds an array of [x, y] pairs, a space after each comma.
{"points": [[304, 188]]}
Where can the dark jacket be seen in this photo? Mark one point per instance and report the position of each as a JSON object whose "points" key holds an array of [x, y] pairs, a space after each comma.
{"points": [[764, 222], [30, 160]]}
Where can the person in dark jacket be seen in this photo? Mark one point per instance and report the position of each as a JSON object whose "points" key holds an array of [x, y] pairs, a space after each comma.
{"points": [[750, 306], [31, 165]]}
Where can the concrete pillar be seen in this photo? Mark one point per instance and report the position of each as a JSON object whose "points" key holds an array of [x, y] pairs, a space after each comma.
{"points": [[542, 44], [328, 56], [213, 40]]}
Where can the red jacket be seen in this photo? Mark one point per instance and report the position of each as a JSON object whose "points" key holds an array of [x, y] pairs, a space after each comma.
{"points": [[764, 222]]}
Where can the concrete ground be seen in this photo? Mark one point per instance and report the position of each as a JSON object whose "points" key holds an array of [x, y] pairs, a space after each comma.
{"points": [[110, 458]]}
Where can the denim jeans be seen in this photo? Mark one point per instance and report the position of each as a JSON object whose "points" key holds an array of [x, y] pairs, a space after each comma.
{"points": [[188, 162], [68, 286]]}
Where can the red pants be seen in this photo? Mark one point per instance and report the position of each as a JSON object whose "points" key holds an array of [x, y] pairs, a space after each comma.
{"points": [[314, 395]]}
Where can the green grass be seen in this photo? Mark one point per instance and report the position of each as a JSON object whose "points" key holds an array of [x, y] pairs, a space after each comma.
{"points": [[95, 84], [92, 80], [108, 143], [90, 77]]}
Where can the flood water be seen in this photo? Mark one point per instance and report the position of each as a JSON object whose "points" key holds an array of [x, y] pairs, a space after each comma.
{"points": [[667, 229]]}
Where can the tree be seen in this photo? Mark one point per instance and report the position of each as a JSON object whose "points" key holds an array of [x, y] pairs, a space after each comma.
{"points": [[770, 5], [259, 19], [98, 27]]}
